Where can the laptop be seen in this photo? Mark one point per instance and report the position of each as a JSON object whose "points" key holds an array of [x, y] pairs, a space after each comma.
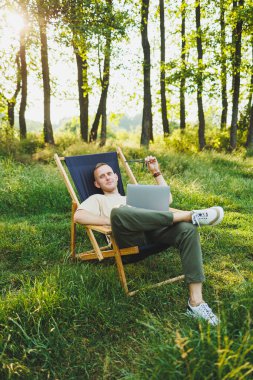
{"points": [[151, 197]]}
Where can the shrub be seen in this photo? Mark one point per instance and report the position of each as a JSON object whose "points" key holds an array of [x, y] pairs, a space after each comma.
{"points": [[183, 141], [65, 139], [31, 144]]}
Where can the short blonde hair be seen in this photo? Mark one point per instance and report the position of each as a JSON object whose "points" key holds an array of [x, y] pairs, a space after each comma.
{"points": [[98, 165]]}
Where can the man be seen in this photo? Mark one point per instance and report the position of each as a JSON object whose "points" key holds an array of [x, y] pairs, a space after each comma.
{"points": [[134, 226]]}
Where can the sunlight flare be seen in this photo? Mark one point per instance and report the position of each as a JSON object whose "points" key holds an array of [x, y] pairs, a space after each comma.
{"points": [[14, 22]]}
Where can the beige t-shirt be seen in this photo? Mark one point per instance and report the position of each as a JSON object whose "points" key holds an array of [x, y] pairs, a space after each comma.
{"points": [[102, 205]]}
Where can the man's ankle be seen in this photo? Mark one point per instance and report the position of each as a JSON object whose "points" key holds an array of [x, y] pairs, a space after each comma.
{"points": [[182, 216], [195, 302]]}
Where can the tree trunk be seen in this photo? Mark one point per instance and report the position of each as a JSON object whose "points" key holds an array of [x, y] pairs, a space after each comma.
{"points": [[249, 142], [201, 115], [82, 67], [12, 101], [106, 86], [94, 128], [236, 42], [104, 123], [224, 98], [48, 129], [23, 71], [101, 110], [183, 68], [11, 114], [162, 73], [147, 120]]}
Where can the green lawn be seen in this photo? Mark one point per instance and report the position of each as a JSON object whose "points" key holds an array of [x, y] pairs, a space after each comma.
{"points": [[65, 320]]}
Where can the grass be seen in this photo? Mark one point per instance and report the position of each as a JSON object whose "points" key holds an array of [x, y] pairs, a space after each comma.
{"points": [[60, 320]]}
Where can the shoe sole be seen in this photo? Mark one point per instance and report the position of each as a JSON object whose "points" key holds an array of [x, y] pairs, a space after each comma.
{"points": [[219, 217]]}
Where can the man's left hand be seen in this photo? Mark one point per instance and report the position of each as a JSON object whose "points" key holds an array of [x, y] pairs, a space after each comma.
{"points": [[152, 164]]}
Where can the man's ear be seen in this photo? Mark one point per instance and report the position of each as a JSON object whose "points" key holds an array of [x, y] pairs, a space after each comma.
{"points": [[97, 185], [116, 175]]}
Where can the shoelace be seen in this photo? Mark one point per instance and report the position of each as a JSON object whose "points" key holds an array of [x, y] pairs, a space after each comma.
{"points": [[197, 217]]}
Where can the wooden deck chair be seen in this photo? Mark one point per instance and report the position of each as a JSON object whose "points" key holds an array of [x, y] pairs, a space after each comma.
{"points": [[81, 170]]}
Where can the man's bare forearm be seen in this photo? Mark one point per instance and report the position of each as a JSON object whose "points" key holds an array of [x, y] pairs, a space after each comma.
{"points": [[161, 182], [85, 217], [153, 167]]}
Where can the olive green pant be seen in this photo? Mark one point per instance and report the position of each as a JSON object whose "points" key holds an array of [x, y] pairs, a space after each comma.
{"points": [[133, 226]]}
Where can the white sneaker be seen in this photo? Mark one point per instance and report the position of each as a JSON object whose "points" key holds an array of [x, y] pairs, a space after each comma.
{"points": [[203, 311], [209, 216]]}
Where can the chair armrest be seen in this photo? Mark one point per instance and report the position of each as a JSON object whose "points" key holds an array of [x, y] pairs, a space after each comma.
{"points": [[103, 229]]}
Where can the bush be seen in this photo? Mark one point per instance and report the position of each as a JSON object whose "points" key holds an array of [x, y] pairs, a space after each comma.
{"points": [[183, 141], [217, 140], [65, 139], [21, 150], [31, 144]]}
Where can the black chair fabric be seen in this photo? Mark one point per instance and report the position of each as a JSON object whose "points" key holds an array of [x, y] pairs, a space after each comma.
{"points": [[81, 170]]}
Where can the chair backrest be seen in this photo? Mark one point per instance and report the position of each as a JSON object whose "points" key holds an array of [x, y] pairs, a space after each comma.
{"points": [[81, 170]]}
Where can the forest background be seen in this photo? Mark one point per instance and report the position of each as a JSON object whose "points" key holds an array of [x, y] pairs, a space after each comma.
{"points": [[182, 68]]}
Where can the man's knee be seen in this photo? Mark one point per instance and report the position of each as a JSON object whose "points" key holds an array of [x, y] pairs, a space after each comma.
{"points": [[187, 227], [187, 231]]}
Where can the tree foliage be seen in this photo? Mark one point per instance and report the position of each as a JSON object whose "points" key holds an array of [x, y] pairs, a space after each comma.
{"points": [[205, 61]]}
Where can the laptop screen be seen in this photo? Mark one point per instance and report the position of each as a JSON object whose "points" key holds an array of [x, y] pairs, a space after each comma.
{"points": [[151, 197]]}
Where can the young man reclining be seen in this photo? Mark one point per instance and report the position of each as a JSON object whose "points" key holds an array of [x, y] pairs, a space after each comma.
{"points": [[133, 226]]}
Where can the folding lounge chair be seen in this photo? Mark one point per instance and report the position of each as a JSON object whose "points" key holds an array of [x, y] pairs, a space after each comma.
{"points": [[81, 170]]}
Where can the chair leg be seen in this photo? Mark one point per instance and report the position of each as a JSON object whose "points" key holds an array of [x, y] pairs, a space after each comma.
{"points": [[120, 267], [73, 231]]}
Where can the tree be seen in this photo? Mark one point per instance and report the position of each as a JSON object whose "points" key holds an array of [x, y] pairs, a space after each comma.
{"points": [[236, 64], [224, 99], [44, 11], [82, 73], [79, 16], [11, 102], [101, 110], [201, 116], [147, 119], [114, 27], [183, 66], [23, 74], [249, 142], [105, 87], [10, 84], [162, 72]]}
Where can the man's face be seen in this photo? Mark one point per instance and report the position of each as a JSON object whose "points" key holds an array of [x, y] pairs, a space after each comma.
{"points": [[106, 179]]}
